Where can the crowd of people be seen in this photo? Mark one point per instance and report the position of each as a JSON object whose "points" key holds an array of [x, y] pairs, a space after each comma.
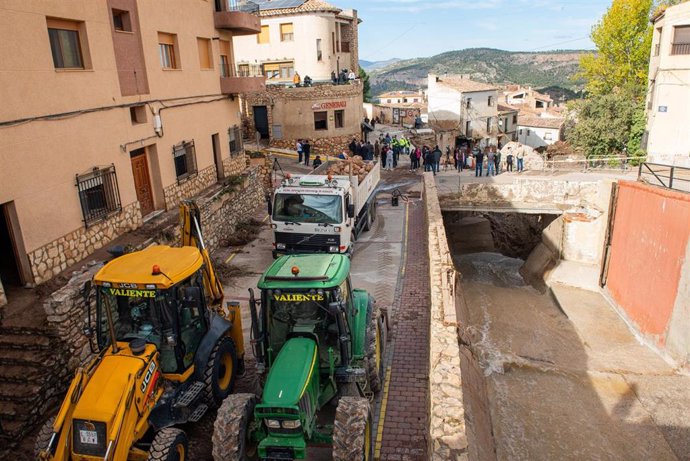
{"points": [[487, 160]]}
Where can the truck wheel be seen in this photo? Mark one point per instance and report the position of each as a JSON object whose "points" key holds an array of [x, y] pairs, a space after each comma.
{"points": [[352, 430], [169, 444], [231, 437], [375, 351], [43, 437], [221, 371]]}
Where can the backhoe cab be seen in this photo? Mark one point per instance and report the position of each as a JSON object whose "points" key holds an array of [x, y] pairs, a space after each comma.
{"points": [[316, 340], [167, 351]]}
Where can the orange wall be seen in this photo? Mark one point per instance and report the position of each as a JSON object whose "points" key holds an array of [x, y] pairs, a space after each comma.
{"points": [[650, 239]]}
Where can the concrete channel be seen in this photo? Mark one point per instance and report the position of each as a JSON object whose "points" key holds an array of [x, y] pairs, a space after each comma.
{"points": [[548, 370]]}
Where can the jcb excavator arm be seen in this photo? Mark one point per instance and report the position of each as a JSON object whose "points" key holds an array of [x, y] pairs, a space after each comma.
{"points": [[190, 226]]}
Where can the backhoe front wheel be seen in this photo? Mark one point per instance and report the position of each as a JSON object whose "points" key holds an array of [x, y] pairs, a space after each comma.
{"points": [[221, 371], [375, 338], [169, 444], [231, 433], [352, 431]]}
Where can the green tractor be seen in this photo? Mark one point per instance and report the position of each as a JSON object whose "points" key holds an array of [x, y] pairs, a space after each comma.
{"points": [[316, 341]]}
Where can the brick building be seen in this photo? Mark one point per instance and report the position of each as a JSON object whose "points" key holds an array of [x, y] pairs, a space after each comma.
{"points": [[112, 111]]}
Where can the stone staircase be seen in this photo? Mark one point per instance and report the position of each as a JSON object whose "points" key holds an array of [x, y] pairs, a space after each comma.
{"points": [[29, 384]]}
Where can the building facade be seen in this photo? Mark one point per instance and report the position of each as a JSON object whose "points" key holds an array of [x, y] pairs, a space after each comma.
{"points": [[527, 97], [668, 97], [112, 111], [538, 132], [462, 110], [507, 124], [401, 97], [314, 39]]}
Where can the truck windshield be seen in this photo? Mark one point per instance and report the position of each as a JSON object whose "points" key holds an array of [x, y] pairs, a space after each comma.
{"points": [[308, 208]]}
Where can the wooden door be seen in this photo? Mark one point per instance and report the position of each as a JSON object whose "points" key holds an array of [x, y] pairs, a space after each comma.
{"points": [[142, 181]]}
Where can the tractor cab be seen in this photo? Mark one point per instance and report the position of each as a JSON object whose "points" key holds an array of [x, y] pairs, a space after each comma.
{"points": [[161, 303]]}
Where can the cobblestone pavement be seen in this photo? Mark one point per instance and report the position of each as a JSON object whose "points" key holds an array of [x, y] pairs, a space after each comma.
{"points": [[405, 420]]}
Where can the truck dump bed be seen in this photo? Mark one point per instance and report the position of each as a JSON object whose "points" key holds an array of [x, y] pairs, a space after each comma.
{"points": [[363, 190]]}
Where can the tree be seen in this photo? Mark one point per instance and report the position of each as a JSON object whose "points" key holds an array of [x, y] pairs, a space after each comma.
{"points": [[604, 122], [623, 38], [364, 78]]}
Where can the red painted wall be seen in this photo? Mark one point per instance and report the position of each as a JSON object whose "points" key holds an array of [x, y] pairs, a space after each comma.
{"points": [[649, 241]]}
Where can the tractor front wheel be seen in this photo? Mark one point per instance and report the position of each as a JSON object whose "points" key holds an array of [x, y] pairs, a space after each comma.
{"points": [[375, 351], [352, 431], [221, 371], [231, 437], [169, 444], [43, 437]]}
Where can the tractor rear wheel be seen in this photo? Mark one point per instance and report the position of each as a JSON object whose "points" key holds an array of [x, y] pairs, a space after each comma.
{"points": [[43, 437], [169, 444], [231, 436], [375, 350], [352, 431], [221, 371]]}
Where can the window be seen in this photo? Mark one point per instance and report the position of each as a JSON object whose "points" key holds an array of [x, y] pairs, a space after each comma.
{"points": [[279, 70], [469, 103], [320, 120], [243, 70], [491, 101], [121, 21], [168, 50], [548, 136], [468, 128], [98, 194], [681, 40], [520, 131], [488, 125], [514, 119], [339, 118], [137, 114], [184, 156], [286, 32], [405, 100], [225, 53], [263, 37], [235, 140], [529, 132], [65, 44], [319, 53], [333, 41], [389, 101], [205, 59]]}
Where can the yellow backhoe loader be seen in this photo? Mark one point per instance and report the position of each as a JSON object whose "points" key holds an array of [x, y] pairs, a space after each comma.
{"points": [[168, 349]]}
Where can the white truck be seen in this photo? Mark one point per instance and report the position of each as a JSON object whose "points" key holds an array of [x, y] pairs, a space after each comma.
{"points": [[318, 213]]}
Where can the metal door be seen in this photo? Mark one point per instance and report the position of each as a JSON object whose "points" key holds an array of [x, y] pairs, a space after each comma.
{"points": [[261, 121]]}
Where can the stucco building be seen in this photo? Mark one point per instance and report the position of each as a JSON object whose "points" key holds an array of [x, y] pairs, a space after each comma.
{"points": [[401, 97], [527, 97], [111, 111], [315, 39], [507, 124], [538, 132], [462, 110], [668, 98]]}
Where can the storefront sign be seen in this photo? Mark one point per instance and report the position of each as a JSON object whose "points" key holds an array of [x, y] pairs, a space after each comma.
{"points": [[329, 105]]}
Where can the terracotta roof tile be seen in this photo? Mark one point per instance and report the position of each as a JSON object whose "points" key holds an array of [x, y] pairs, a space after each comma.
{"points": [[507, 108], [306, 7], [541, 122], [465, 85]]}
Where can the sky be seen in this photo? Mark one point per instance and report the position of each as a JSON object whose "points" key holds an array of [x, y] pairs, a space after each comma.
{"points": [[412, 28]]}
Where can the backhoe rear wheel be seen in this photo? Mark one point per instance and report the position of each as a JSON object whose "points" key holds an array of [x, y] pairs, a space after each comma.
{"points": [[352, 431], [43, 437], [169, 444], [231, 436], [221, 371], [375, 351]]}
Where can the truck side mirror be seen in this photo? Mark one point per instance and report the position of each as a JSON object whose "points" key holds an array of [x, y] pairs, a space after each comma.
{"points": [[192, 297], [351, 210]]}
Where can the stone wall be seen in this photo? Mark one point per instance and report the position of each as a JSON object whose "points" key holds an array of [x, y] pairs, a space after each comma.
{"points": [[49, 260], [447, 432], [189, 187], [322, 146], [235, 164]]}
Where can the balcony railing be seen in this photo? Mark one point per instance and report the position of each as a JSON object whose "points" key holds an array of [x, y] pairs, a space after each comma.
{"points": [[242, 79], [680, 48], [244, 6], [668, 176]]}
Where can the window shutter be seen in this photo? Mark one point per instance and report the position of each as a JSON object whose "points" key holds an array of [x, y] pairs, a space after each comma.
{"points": [[681, 35]]}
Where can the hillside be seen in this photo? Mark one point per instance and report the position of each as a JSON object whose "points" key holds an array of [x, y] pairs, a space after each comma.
{"points": [[373, 65], [537, 69]]}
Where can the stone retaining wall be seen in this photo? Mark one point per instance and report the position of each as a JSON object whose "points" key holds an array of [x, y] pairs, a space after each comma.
{"points": [[448, 438], [189, 187], [49, 260], [323, 146]]}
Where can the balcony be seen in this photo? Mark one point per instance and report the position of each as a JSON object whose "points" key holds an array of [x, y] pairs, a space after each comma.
{"points": [[242, 80], [239, 16]]}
